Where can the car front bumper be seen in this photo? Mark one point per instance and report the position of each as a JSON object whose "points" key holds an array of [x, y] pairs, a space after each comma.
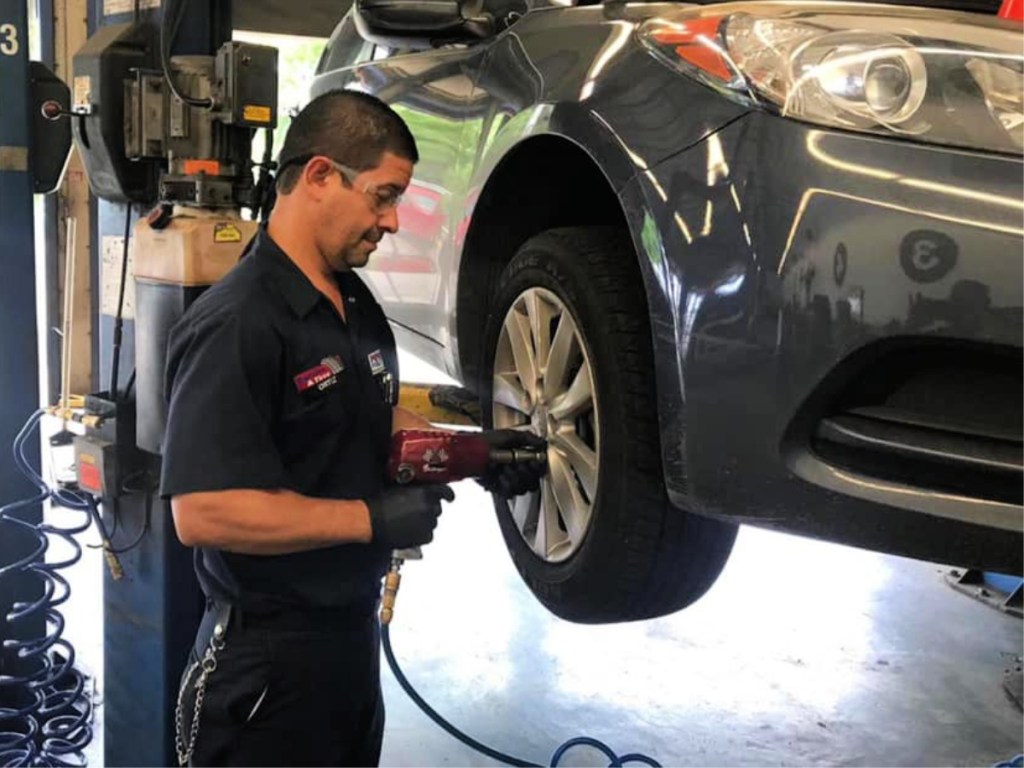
{"points": [[791, 271]]}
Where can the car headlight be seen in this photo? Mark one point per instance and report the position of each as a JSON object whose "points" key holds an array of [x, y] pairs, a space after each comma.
{"points": [[937, 76]]}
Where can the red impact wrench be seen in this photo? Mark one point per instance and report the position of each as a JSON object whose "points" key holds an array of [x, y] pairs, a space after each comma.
{"points": [[434, 456]]}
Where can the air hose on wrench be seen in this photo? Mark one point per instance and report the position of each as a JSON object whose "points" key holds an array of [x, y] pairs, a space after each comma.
{"points": [[615, 760]]}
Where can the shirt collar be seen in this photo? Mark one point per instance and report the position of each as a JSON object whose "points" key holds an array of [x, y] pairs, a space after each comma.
{"points": [[294, 286]]}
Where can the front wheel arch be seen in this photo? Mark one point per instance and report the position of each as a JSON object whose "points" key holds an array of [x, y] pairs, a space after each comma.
{"points": [[641, 557], [513, 207]]}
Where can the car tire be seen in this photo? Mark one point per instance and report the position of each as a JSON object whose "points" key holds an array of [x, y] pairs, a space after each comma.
{"points": [[617, 549]]}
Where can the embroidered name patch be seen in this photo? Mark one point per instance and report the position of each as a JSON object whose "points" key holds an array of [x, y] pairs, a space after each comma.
{"points": [[320, 376]]}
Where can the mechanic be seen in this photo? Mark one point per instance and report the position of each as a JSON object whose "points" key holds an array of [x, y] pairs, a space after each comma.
{"points": [[283, 383]]}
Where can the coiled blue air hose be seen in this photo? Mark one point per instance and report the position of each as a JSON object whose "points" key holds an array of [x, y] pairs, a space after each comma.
{"points": [[53, 723]]}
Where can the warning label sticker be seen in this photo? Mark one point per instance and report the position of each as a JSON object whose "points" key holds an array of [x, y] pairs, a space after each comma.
{"points": [[82, 98], [256, 114], [226, 233]]}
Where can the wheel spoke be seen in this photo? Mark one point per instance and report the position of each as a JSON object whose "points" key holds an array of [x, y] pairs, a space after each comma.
{"points": [[508, 391], [563, 347], [582, 459], [578, 398], [525, 509], [540, 313], [542, 382], [547, 509], [518, 326], [575, 511]]}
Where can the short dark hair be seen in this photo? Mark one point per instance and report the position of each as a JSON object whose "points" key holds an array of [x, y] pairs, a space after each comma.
{"points": [[353, 128]]}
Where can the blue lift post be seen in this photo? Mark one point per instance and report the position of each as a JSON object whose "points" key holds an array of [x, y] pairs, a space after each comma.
{"points": [[150, 616], [19, 367]]}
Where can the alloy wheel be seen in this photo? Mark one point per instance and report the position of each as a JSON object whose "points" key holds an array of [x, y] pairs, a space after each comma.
{"points": [[544, 382]]}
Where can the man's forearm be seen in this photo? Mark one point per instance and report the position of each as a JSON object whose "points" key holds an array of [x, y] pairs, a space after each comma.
{"points": [[254, 522]]}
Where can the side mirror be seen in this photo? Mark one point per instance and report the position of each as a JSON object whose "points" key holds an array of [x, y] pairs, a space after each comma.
{"points": [[421, 24]]}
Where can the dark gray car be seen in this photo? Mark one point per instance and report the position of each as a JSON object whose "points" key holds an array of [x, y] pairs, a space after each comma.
{"points": [[740, 263]]}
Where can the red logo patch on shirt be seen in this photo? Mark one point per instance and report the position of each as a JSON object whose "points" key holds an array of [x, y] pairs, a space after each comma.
{"points": [[320, 376]]}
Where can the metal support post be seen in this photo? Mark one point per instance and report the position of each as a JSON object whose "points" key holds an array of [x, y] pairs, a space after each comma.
{"points": [[19, 369], [151, 615]]}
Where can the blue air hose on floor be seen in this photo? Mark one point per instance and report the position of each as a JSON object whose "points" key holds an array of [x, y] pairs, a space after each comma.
{"points": [[615, 760]]}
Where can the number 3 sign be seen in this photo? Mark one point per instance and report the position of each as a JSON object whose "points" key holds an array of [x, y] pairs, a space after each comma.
{"points": [[9, 44]]}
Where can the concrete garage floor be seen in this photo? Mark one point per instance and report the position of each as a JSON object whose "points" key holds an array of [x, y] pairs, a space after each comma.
{"points": [[802, 653]]}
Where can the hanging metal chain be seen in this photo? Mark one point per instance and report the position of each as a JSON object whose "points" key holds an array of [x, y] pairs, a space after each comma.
{"points": [[207, 665]]}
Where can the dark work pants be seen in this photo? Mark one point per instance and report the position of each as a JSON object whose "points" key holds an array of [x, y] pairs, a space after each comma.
{"points": [[285, 695]]}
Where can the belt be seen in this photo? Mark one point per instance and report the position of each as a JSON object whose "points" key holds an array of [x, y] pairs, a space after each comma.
{"points": [[293, 618], [217, 616]]}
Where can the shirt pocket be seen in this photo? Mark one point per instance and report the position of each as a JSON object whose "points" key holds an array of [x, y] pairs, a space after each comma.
{"points": [[317, 404]]}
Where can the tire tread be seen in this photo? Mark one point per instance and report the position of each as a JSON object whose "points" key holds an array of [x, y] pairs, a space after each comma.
{"points": [[667, 557]]}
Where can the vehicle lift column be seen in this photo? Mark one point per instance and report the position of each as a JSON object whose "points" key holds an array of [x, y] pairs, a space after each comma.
{"points": [[19, 367], [151, 614]]}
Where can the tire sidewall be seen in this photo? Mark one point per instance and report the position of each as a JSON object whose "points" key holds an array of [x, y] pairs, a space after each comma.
{"points": [[565, 275]]}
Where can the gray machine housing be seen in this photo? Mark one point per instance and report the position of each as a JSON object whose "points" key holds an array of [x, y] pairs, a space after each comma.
{"points": [[143, 144]]}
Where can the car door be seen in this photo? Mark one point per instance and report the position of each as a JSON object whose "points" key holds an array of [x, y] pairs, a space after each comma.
{"points": [[412, 273]]}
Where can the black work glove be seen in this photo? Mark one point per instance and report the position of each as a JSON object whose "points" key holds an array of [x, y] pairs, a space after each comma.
{"points": [[509, 480], [406, 516]]}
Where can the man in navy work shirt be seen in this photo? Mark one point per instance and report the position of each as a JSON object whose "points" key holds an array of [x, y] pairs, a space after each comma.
{"points": [[282, 382]]}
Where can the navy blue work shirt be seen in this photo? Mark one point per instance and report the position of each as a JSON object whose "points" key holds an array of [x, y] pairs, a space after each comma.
{"points": [[269, 388]]}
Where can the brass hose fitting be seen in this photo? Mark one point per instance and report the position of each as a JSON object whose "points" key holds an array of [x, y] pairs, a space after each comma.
{"points": [[391, 584]]}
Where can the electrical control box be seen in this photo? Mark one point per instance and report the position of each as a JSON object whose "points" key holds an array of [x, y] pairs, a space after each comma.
{"points": [[106, 454], [96, 466], [50, 147], [246, 77]]}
